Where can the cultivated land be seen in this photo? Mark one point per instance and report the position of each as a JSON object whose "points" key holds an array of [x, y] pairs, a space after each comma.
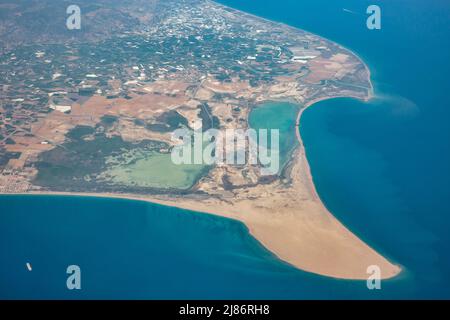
{"points": [[93, 114]]}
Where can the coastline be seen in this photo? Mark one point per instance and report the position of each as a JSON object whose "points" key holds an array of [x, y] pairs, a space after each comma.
{"points": [[292, 223], [371, 89], [325, 237], [371, 95], [287, 237], [299, 138]]}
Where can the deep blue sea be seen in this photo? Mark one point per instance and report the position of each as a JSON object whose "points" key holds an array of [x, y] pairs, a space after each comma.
{"points": [[381, 167]]}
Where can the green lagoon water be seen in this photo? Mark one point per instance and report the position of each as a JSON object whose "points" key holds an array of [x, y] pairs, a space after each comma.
{"points": [[381, 167], [156, 170], [280, 116]]}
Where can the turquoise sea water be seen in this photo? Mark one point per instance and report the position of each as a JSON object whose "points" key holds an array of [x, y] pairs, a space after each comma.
{"points": [[279, 116], [381, 167]]}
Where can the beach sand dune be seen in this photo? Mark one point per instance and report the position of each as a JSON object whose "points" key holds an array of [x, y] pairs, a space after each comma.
{"points": [[293, 224]]}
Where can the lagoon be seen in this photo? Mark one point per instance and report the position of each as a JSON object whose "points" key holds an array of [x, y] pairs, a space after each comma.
{"points": [[279, 116]]}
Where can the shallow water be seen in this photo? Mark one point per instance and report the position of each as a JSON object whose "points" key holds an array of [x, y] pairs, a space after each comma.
{"points": [[280, 116]]}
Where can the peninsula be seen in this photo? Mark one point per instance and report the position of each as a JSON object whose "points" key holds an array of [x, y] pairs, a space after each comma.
{"points": [[92, 114]]}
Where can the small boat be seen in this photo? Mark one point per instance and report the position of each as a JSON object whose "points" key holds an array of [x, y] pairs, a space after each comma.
{"points": [[29, 266]]}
